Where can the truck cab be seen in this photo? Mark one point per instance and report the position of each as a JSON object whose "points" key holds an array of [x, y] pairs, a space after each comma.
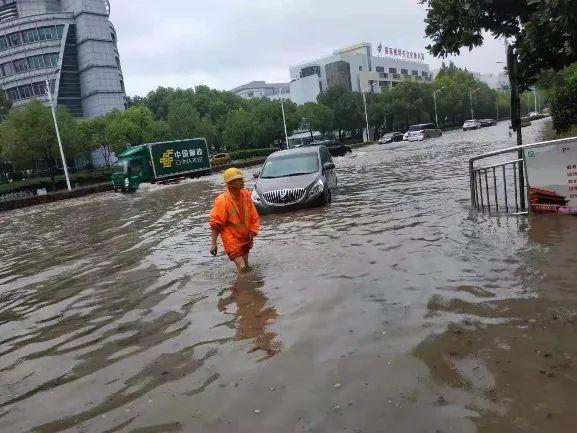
{"points": [[132, 169]]}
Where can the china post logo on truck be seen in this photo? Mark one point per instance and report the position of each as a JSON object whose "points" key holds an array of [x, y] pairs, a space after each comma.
{"points": [[184, 157]]}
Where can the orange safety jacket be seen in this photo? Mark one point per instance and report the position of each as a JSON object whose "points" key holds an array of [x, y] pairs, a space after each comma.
{"points": [[237, 221]]}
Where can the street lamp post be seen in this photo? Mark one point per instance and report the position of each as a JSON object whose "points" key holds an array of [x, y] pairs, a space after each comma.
{"points": [[471, 93], [284, 123], [435, 99], [64, 165], [367, 138]]}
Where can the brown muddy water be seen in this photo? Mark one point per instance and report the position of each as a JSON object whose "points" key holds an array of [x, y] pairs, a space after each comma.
{"points": [[396, 309]]}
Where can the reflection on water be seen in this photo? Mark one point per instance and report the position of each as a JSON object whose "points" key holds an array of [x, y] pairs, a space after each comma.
{"points": [[396, 306], [252, 316]]}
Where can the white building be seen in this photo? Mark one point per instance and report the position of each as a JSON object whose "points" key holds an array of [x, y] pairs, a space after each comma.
{"points": [[261, 89], [356, 69]]}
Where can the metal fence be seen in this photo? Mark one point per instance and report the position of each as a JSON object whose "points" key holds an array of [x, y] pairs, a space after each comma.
{"points": [[499, 182], [16, 195], [498, 185]]}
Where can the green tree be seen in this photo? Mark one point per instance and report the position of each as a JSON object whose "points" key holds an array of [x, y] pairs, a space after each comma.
{"points": [[316, 117], [5, 106], [28, 135], [96, 135], [134, 127], [239, 130], [543, 31], [347, 108], [563, 99]]}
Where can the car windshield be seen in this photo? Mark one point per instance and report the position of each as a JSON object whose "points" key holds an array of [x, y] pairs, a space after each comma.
{"points": [[290, 165], [121, 166]]}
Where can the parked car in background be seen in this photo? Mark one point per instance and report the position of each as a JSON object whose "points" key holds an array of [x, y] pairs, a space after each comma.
{"points": [[391, 137], [488, 122], [295, 179], [471, 124], [336, 148], [423, 131], [220, 159]]}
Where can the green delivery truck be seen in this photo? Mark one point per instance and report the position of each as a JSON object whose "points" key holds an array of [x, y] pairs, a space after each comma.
{"points": [[155, 162]]}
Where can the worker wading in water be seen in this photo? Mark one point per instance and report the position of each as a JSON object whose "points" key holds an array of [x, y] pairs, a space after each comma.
{"points": [[236, 219]]}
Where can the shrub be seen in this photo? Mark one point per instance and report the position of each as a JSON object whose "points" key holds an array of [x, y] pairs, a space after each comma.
{"points": [[252, 153], [82, 179]]}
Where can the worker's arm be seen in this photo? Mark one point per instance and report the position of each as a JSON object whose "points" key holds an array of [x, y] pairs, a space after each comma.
{"points": [[254, 226], [213, 245], [218, 218]]}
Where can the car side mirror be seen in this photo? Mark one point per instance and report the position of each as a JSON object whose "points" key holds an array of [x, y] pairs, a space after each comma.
{"points": [[256, 175], [328, 166]]}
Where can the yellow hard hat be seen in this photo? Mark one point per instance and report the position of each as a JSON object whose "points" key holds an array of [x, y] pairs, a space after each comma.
{"points": [[232, 174]]}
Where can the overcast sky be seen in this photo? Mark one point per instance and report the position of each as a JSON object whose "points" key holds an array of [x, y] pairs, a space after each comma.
{"points": [[226, 43]]}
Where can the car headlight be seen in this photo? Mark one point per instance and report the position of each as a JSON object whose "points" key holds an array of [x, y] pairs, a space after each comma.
{"points": [[126, 182], [317, 189], [256, 197]]}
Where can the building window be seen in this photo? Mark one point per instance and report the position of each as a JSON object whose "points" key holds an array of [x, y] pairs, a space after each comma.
{"points": [[250, 94], [384, 75], [360, 68], [20, 65], [392, 70], [3, 43], [8, 68], [47, 33], [15, 39], [12, 94], [30, 36], [122, 86], [51, 60], [424, 74], [36, 62], [310, 70], [117, 61], [404, 72], [380, 69], [25, 91], [384, 83], [39, 89], [415, 72]]}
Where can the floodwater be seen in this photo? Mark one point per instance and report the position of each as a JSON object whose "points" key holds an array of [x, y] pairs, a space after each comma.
{"points": [[396, 309]]}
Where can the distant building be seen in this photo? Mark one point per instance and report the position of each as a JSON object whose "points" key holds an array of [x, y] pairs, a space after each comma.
{"points": [[70, 43], [261, 89], [356, 69]]}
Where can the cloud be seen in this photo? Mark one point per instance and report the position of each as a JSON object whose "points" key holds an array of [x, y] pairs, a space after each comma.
{"points": [[225, 43]]}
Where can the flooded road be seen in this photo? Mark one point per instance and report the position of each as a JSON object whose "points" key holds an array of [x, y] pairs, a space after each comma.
{"points": [[396, 309]]}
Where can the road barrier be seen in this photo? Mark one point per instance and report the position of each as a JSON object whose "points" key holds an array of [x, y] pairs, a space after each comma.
{"points": [[500, 181]]}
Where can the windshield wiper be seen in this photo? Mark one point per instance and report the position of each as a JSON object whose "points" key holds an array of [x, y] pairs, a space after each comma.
{"points": [[298, 174]]}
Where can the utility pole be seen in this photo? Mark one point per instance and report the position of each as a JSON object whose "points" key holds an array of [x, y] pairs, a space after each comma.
{"points": [[513, 67], [49, 93], [471, 93], [284, 123], [435, 99], [368, 135]]}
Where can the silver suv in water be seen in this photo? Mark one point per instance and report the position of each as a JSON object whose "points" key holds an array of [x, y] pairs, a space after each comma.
{"points": [[295, 179]]}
